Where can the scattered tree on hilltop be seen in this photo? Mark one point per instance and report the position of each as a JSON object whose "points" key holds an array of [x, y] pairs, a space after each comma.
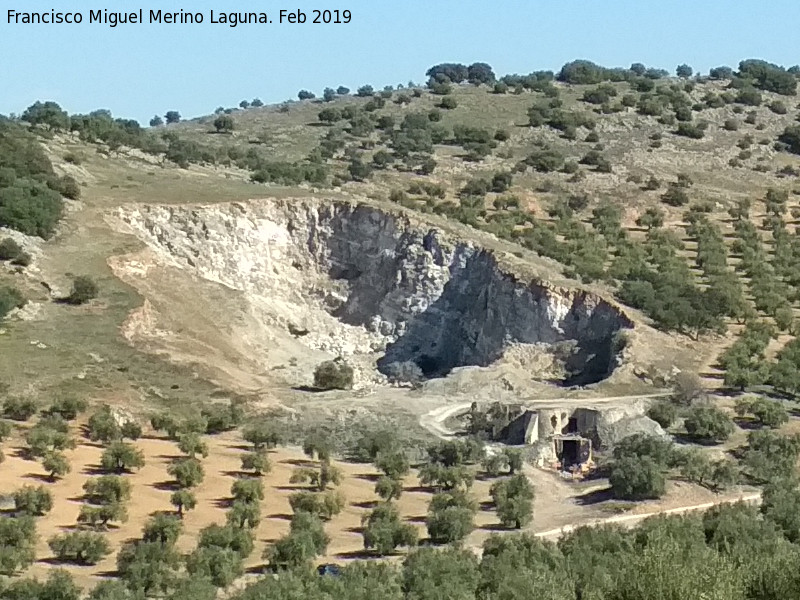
{"points": [[224, 124], [49, 114]]}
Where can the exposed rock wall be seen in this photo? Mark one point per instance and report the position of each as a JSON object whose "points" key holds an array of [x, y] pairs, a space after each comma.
{"points": [[354, 279]]}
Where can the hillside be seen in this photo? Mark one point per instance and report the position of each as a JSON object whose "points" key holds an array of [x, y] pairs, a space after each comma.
{"points": [[404, 304]]}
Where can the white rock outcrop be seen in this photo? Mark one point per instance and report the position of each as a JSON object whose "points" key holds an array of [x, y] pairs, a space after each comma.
{"points": [[349, 278]]}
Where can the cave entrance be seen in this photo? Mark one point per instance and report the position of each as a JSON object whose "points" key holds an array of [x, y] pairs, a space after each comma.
{"points": [[572, 451], [431, 366]]}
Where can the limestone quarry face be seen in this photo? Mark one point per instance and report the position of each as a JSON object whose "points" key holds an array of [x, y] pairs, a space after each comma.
{"points": [[350, 279]]}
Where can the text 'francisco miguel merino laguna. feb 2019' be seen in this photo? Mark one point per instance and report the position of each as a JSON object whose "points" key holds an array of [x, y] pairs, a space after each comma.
{"points": [[181, 17]]}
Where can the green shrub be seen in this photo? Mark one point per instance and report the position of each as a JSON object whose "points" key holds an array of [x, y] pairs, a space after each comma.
{"points": [[749, 96], [19, 409], [9, 249], [67, 408], [637, 478], [334, 374], [731, 125], [545, 160], [778, 107], [68, 187], [30, 207], [663, 412], [708, 424], [768, 77], [691, 130], [10, 298], [23, 260], [582, 72], [83, 289], [675, 196], [29, 190]]}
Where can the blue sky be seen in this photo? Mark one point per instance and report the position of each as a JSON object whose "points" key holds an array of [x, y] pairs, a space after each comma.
{"points": [[140, 70]]}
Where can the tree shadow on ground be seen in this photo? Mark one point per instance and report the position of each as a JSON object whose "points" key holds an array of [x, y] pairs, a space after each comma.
{"points": [[299, 462], [95, 470], [38, 477], [224, 503], [280, 516], [595, 497], [746, 423], [356, 554], [295, 488], [496, 527], [170, 485], [420, 489]]}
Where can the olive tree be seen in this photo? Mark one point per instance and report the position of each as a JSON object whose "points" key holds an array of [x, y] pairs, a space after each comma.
{"points": [[187, 472], [634, 478], [262, 435], [191, 444], [107, 489], [708, 424], [513, 498], [247, 490], [98, 517], [183, 500], [17, 544], [148, 567], [221, 566], [32, 501], [121, 457], [388, 488], [56, 464], [80, 547], [257, 462], [383, 530], [162, 528]]}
